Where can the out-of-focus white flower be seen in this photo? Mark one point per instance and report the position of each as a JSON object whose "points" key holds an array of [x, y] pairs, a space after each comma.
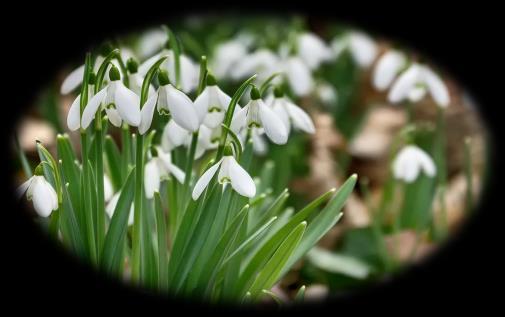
{"points": [[226, 55], [159, 167], [362, 47], [313, 50], [107, 188], [419, 77], [387, 68], [326, 93], [257, 114], [119, 102], [211, 105], [151, 42], [43, 195], [409, 163], [174, 136], [299, 76], [189, 71], [288, 112], [111, 207], [262, 62], [169, 100], [229, 172]]}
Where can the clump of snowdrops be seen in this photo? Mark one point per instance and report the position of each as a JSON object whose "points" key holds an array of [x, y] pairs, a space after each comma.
{"points": [[200, 227]]}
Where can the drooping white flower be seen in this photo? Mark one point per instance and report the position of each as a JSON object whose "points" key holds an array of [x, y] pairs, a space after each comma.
{"points": [[159, 167], [119, 102], [299, 76], [173, 136], [226, 55], [262, 62], [111, 207], [169, 100], [189, 71], [289, 113], [42, 193], [409, 163], [229, 172], [74, 112], [257, 114], [211, 105], [419, 77], [362, 47], [313, 50], [387, 68]]}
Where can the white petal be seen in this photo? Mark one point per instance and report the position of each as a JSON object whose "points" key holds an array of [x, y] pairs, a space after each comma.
{"points": [[202, 104], [301, 120], [151, 179], [204, 180], [363, 48], [144, 67], [436, 87], [239, 120], [260, 146], [73, 80], [241, 181], [177, 172], [107, 188], [182, 109], [411, 172], [44, 197], [313, 50], [23, 187], [417, 93], [91, 108], [114, 117], [278, 106], [111, 206], [74, 114], [274, 128], [404, 84], [173, 136], [299, 76], [147, 113], [387, 68], [127, 104], [425, 161]]}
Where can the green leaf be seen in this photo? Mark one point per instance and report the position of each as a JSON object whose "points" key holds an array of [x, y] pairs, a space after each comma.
{"points": [[300, 295], [70, 226], [162, 244], [272, 270], [338, 263], [113, 250], [324, 221], [113, 158]]}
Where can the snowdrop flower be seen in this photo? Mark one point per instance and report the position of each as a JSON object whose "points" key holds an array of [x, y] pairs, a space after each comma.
{"points": [[111, 207], [189, 71], [313, 50], [226, 55], [388, 66], [74, 113], [299, 76], [229, 172], [260, 146], [173, 136], [419, 77], [151, 42], [262, 62], [135, 79], [257, 114], [410, 161], [120, 103], [326, 93], [159, 167], [211, 105], [169, 100], [40, 191], [289, 112], [363, 49]]}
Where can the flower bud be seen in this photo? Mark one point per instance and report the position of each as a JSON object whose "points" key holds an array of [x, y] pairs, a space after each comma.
{"points": [[114, 73], [163, 77], [255, 94]]}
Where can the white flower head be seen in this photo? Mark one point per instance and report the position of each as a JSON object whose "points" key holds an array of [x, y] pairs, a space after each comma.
{"points": [[159, 167], [226, 55], [169, 100], [409, 163], [211, 105], [313, 50], [362, 47], [257, 114], [229, 172], [119, 102], [387, 68], [419, 77], [262, 62], [299, 76], [41, 192], [289, 113]]}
